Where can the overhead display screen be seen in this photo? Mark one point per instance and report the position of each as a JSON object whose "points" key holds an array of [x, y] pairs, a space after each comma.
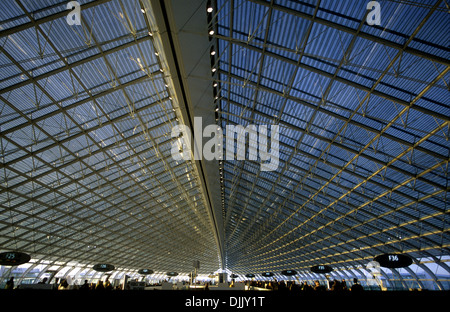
{"points": [[103, 267], [321, 269], [14, 258], [394, 261], [289, 272]]}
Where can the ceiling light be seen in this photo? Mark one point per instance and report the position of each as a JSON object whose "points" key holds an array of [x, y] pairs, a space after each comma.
{"points": [[215, 84], [211, 32], [143, 10], [213, 70], [209, 7]]}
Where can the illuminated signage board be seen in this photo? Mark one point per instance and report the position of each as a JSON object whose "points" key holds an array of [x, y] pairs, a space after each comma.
{"points": [[14, 258], [321, 269], [103, 267], [393, 261], [288, 272]]}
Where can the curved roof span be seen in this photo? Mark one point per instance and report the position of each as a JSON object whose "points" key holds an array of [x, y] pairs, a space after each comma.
{"points": [[359, 164]]}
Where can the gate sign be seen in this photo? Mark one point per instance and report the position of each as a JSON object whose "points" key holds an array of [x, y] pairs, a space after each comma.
{"points": [[393, 261], [14, 258], [321, 269], [288, 272], [103, 267]]}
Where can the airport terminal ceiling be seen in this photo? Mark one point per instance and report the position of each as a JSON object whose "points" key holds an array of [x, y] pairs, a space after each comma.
{"points": [[87, 171]]}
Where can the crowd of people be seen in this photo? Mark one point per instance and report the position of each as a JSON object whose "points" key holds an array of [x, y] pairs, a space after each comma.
{"points": [[100, 285], [62, 284], [275, 285], [335, 285]]}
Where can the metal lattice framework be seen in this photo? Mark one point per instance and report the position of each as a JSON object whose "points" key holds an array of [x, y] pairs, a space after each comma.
{"points": [[86, 113], [364, 119], [86, 166]]}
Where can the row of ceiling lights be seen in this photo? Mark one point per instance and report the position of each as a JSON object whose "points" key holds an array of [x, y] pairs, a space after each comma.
{"points": [[212, 52]]}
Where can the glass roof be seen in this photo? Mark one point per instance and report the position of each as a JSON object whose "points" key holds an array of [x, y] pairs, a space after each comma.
{"points": [[363, 113], [86, 167], [86, 114]]}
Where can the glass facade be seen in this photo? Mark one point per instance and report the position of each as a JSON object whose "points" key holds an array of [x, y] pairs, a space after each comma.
{"points": [[426, 276]]}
